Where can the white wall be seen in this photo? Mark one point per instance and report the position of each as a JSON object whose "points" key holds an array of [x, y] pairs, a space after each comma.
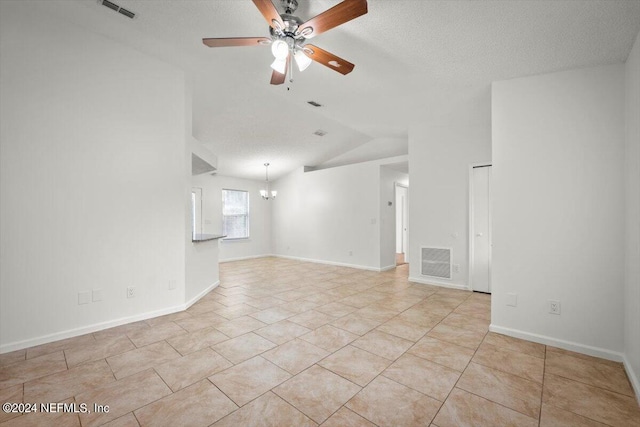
{"points": [[632, 223], [259, 241], [439, 158], [92, 178], [388, 180], [558, 208], [327, 214]]}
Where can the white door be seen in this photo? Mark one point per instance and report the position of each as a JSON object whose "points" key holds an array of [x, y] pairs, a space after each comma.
{"points": [[481, 229]]}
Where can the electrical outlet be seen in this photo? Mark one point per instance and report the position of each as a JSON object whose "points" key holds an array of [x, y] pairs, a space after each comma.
{"points": [[84, 297], [554, 306], [96, 295], [131, 292], [512, 299], [172, 284], [350, 253], [456, 268]]}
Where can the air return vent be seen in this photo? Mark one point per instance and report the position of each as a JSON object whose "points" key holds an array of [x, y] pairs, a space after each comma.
{"points": [[117, 8], [320, 132], [314, 103], [436, 262]]}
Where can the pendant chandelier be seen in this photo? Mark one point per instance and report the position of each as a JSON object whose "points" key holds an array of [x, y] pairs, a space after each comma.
{"points": [[266, 194]]}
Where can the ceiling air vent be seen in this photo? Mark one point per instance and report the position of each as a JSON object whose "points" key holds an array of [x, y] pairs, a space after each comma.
{"points": [[314, 103], [320, 132], [117, 8]]}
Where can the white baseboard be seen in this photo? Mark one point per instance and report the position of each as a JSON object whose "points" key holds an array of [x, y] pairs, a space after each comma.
{"points": [[70, 333], [633, 377], [244, 258], [338, 264], [439, 283], [602, 353]]}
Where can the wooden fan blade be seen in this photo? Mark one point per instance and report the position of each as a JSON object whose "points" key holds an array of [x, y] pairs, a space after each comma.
{"points": [[236, 41], [328, 59], [279, 78], [270, 13], [337, 15]]}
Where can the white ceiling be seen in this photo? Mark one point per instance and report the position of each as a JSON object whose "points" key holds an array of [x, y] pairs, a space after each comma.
{"points": [[416, 60]]}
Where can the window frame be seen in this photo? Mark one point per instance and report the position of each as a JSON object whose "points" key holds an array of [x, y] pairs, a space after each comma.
{"points": [[248, 215]]}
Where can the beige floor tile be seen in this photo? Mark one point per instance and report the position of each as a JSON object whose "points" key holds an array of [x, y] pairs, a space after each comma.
{"points": [[329, 338], [479, 310], [463, 409], [356, 324], [556, 417], [243, 347], [204, 306], [201, 404], [301, 306], [295, 355], [336, 309], [346, 418], [312, 319], [201, 321], [595, 403], [117, 331], [56, 346], [187, 370], [282, 331], [248, 380], [292, 295], [52, 418], [31, 369], [180, 315], [265, 302], [235, 311], [123, 396], [317, 392], [320, 298], [68, 383], [11, 394], [128, 420], [422, 375], [513, 362], [197, 340], [99, 350], [450, 355], [557, 350], [273, 315], [404, 329], [268, 410], [376, 312], [12, 357], [500, 387], [239, 326], [356, 365], [138, 360], [387, 403], [515, 344], [156, 333], [362, 300], [466, 322], [612, 378], [458, 336], [385, 345], [420, 317]]}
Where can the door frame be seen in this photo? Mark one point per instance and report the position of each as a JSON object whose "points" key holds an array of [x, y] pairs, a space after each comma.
{"points": [[473, 166]]}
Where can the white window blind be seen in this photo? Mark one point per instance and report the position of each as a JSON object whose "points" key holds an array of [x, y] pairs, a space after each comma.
{"points": [[235, 214]]}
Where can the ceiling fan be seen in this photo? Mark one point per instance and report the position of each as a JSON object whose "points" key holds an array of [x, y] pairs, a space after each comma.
{"points": [[288, 35]]}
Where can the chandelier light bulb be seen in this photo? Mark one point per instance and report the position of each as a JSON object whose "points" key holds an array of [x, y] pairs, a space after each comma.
{"points": [[279, 65], [302, 60], [280, 49]]}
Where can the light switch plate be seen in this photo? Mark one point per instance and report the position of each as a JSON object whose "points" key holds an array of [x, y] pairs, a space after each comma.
{"points": [[512, 299], [84, 297]]}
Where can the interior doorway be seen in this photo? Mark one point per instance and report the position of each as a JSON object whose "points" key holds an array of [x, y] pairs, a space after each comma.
{"points": [[480, 228], [402, 193]]}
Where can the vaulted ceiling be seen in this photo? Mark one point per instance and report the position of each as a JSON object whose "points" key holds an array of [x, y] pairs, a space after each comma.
{"points": [[416, 61]]}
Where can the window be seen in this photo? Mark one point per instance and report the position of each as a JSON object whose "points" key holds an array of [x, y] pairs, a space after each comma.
{"points": [[235, 214]]}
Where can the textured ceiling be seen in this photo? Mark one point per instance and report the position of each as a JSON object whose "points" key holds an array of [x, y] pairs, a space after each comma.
{"points": [[416, 60]]}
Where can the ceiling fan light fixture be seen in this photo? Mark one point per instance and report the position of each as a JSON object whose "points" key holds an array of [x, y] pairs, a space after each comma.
{"points": [[280, 49], [302, 60], [279, 65]]}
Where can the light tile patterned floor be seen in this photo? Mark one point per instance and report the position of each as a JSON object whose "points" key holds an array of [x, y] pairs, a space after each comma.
{"points": [[287, 343]]}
